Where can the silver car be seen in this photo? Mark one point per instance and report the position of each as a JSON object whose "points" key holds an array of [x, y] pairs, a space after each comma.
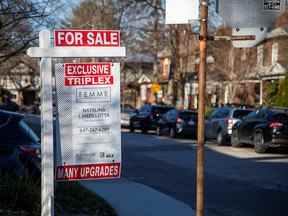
{"points": [[220, 122], [126, 114]]}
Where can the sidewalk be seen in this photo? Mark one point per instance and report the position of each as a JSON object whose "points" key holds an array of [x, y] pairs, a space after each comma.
{"points": [[132, 199]]}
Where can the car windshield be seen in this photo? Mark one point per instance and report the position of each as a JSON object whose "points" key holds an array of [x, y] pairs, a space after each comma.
{"points": [[127, 110], [240, 114], [145, 108]]}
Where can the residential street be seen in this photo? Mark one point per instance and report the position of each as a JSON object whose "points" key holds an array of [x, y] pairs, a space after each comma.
{"points": [[238, 182]]}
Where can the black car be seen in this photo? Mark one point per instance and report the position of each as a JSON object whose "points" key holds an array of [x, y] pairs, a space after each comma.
{"points": [[175, 123], [19, 146], [220, 122], [263, 128], [147, 117]]}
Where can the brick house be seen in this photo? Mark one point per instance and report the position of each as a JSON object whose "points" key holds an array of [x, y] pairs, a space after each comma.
{"points": [[272, 61]]}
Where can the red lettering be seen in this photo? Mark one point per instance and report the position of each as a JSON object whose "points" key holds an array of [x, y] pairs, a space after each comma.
{"points": [[86, 38], [91, 80], [88, 171], [87, 69]]}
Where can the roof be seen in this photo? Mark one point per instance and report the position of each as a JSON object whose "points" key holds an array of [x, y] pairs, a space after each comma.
{"points": [[277, 33], [140, 58], [270, 71], [144, 79]]}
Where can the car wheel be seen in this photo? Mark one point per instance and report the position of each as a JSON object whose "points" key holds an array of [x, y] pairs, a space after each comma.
{"points": [[220, 139], [172, 133], [158, 131], [259, 143], [131, 129], [235, 142], [144, 130]]}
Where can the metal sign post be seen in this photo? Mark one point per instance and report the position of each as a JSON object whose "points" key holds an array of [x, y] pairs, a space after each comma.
{"points": [[47, 162], [90, 44], [201, 109]]}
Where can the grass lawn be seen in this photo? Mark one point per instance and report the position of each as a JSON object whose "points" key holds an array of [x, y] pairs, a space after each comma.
{"points": [[22, 197], [74, 198]]}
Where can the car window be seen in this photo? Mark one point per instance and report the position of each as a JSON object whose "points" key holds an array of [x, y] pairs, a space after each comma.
{"points": [[224, 113], [167, 114], [220, 113], [251, 115], [160, 110], [281, 117], [188, 115], [213, 114], [172, 114], [262, 114], [240, 114]]}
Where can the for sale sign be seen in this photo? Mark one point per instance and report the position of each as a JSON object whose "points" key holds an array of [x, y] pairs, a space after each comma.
{"points": [[86, 38], [89, 118]]}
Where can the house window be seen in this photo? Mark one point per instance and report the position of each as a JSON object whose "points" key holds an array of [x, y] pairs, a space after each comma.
{"points": [[260, 51], [275, 49]]}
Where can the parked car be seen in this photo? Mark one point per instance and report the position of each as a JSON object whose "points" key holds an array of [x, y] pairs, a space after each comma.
{"points": [[176, 123], [19, 146], [147, 117], [220, 122], [263, 129], [126, 114]]}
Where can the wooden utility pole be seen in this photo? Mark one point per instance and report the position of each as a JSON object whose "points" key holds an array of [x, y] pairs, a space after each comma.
{"points": [[201, 109]]}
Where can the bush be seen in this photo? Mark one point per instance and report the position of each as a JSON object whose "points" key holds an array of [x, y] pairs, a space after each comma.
{"points": [[277, 93], [282, 96]]}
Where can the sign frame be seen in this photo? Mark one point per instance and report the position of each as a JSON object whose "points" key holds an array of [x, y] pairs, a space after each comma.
{"points": [[46, 53]]}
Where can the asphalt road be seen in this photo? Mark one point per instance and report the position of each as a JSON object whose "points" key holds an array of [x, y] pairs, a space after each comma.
{"points": [[238, 182]]}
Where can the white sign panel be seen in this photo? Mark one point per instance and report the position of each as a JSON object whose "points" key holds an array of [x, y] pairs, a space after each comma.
{"points": [[181, 11], [250, 13], [259, 33], [88, 97]]}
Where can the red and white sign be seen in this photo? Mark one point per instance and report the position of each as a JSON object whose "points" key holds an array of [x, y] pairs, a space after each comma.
{"points": [[88, 74], [88, 97], [88, 171], [86, 38]]}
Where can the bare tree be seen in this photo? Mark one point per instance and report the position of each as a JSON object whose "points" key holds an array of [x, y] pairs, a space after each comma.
{"points": [[19, 22]]}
